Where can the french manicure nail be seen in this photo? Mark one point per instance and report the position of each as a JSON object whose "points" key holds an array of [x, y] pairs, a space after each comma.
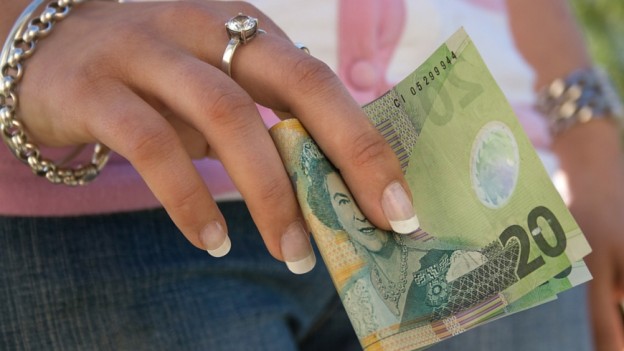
{"points": [[399, 210], [297, 250], [215, 239]]}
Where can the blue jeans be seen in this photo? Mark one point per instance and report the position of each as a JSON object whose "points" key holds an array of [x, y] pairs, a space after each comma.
{"points": [[130, 281]]}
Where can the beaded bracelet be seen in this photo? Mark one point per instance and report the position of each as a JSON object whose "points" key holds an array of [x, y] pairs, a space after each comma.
{"points": [[583, 95]]}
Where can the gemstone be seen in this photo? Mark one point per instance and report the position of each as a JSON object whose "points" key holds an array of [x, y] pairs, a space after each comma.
{"points": [[242, 23]]}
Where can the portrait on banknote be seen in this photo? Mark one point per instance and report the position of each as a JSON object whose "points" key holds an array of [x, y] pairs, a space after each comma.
{"points": [[400, 279]]}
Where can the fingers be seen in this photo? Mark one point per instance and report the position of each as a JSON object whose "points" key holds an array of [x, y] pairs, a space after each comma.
{"points": [[125, 123], [604, 298], [229, 120], [271, 70], [606, 315], [278, 75], [309, 90], [165, 51]]}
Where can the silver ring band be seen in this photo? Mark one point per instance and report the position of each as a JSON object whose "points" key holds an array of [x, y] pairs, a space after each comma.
{"points": [[241, 29]]}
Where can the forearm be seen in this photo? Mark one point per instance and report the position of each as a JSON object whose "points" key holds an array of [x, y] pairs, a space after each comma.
{"points": [[591, 155], [548, 36]]}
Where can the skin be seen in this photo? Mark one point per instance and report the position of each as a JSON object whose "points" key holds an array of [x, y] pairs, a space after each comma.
{"points": [[144, 79], [591, 158], [119, 92]]}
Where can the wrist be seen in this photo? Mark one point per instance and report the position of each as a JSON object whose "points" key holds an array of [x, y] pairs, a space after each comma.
{"points": [[19, 47], [10, 12], [593, 148], [584, 95], [586, 139]]}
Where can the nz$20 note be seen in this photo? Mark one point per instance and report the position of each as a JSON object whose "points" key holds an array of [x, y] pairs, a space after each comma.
{"points": [[495, 236]]}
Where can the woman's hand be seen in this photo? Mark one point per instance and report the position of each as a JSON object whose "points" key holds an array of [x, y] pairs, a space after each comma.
{"points": [[592, 159], [145, 80]]}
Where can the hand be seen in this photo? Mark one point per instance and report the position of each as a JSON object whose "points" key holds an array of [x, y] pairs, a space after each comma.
{"points": [[144, 79], [592, 159]]}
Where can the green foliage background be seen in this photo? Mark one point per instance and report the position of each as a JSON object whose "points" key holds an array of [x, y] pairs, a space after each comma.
{"points": [[603, 24]]}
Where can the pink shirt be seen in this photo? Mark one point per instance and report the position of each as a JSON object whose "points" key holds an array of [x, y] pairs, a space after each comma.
{"points": [[397, 35]]}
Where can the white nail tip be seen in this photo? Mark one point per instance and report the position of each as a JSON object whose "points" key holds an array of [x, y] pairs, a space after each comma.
{"points": [[302, 266], [223, 249], [405, 226]]}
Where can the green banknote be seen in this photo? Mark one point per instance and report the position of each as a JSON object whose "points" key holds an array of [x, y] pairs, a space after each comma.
{"points": [[495, 236]]}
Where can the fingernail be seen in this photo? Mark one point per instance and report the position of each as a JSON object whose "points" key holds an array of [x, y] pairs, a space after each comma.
{"points": [[297, 250], [215, 239], [399, 210]]}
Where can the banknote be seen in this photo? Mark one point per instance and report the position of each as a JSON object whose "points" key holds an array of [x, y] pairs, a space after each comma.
{"points": [[495, 236]]}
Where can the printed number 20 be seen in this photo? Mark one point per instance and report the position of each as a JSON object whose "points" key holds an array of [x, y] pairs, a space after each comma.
{"points": [[526, 267]]}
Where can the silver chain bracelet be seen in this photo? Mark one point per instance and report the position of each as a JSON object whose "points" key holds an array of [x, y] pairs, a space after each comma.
{"points": [[20, 45]]}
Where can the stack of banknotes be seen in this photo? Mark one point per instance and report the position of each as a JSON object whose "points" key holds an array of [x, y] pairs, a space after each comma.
{"points": [[495, 236]]}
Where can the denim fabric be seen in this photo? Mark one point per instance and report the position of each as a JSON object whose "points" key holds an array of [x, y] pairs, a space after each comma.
{"points": [[132, 282], [562, 324]]}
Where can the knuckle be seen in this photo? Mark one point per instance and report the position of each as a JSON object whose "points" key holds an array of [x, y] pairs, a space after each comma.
{"points": [[129, 34], [88, 92], [147, 145], [101, 60], [189, 12], [217, 104], [196, 14], [274, 191], [88, 75], [245, 7], [311, 76], [183, 203], [369, 149], [226, 109], [184, 71]]}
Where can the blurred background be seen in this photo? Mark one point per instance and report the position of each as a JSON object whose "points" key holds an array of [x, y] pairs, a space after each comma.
{"points": [[603, 23]]}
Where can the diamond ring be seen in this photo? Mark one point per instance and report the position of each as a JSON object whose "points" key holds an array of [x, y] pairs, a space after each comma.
{"points": [[241, 29]]}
